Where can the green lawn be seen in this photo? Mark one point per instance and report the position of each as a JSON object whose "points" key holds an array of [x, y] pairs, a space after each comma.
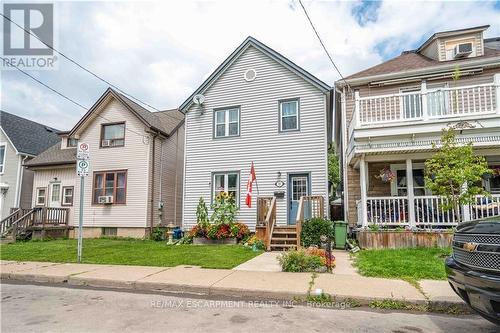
{"points": [[128, 252], [407, 264]]}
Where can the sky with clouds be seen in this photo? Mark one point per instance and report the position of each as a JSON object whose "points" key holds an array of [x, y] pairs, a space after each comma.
{"points": [[161, 51]]}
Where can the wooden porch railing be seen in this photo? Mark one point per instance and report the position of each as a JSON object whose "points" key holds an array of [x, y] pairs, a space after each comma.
{"points": [[270, 221], [310, 206], [263, 204], [41, 217]]}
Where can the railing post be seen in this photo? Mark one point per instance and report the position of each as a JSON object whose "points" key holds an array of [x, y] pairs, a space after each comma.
{"points": [[423, 94], [357, 119], [410, 194], [362, 176], [496, 82]]}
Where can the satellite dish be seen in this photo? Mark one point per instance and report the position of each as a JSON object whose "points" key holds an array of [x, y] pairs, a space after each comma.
{"points": [[198, 99]]}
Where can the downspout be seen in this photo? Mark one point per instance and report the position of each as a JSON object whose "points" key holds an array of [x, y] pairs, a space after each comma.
{"points": [[19, 182], [151, 213], [160, 198], [176, 173]]}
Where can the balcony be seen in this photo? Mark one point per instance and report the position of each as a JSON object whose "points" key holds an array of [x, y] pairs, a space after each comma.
{"points": [[426, 105]]}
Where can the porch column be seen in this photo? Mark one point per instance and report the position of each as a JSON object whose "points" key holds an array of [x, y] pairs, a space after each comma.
{"points": [[363, 168], [410, 194], [465, 208], [423, 92], [496, 82]]}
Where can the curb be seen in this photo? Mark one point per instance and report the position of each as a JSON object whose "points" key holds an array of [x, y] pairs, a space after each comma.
{"points": [[233, 293]]}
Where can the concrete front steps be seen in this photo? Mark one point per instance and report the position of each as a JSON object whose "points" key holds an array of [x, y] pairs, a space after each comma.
{"points": [[284, 238]]}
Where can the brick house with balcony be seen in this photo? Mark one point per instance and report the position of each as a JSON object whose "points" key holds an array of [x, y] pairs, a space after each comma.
{"points": [[387, 118]]}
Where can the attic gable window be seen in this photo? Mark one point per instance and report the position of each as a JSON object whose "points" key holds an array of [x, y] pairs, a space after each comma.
{"points": [[2, 158], [113, 135], [71, 142]]}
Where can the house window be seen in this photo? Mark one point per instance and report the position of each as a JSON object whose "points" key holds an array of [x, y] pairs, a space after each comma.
{"points": [[109, 232], [71, 142], [227, 123], [2, 158], [226, 182], [493, 183], [411, 103], [40, 196], [289, 115], [110, 184], [67, 199], [399, 187], [113, 135]]}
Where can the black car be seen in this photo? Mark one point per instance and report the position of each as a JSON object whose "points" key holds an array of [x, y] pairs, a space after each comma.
{"points": [[474, 267]]}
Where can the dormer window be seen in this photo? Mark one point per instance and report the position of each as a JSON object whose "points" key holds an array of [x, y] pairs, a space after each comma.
{"points": [[113, 135], [71, 142]]}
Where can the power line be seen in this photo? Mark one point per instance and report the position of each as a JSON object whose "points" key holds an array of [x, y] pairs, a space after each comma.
{"points": [[80, 66], [65, 97], [323, 45]]}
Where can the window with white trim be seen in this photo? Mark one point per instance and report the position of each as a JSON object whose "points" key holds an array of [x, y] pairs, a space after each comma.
{"points": [[2, 158], [289, 115], [399, 187], [227, 123], [226, 182], [41, 193], [67, 199]]}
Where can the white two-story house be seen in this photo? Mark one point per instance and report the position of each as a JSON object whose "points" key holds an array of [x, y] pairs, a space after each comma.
{"points": [[259, 107], [388, 116]]}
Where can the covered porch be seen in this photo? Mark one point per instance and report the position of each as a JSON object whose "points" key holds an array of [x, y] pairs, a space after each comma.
{"points": [[393, 195]]}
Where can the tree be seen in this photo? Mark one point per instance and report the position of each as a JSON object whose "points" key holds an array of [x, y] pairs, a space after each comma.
{"points": [[333, 168], [454, 172]]}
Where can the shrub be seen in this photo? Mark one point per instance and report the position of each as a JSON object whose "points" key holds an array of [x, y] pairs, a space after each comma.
{"points": [[240, 231], [300, 261], [314, 251], [158, 234], [254, 242], [202, 212], [313, 229], [198, 231]]}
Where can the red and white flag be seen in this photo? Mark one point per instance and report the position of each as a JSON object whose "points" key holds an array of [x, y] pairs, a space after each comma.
{"points": [[251, 179]]}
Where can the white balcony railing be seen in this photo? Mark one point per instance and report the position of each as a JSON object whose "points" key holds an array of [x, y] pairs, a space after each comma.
{"points": [[426, 104], [430, 211]]}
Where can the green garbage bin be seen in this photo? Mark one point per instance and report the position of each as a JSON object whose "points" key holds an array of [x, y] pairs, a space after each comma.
{"points": [[340, 228]]}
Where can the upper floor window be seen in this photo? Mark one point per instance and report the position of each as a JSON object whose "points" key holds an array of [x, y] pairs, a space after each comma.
{"points": [[113, 135], [227, 123], [71, 142], [2, 158], [110, 187], [289, 115]]}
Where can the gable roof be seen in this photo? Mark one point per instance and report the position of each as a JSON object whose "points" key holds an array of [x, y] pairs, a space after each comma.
{"points": [[250, 41], [163, 122], [27, 137], [411, 60], [448, 33], [54, 156]]}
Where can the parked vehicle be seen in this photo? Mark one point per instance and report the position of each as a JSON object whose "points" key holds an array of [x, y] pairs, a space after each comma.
{"points": [[474, 267]]}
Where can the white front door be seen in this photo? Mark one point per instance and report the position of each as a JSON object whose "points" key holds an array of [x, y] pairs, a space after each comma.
{"points": [[55, 195]]}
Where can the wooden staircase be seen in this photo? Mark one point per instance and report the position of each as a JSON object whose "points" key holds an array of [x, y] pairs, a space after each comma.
{"points": [[285, 237], [22, 223]]}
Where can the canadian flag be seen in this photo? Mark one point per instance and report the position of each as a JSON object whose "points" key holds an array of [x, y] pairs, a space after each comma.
{"points": [[251, 179]]}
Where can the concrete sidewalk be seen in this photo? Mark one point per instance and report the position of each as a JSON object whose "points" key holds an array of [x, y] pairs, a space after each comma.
{"points": [[229, 283]]}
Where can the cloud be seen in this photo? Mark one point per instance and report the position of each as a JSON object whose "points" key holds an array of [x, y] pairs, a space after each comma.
{"points": [[161, 51]]}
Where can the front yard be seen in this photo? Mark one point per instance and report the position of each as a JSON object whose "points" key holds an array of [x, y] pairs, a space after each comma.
{"points": [[407, 264], [129, 252]]}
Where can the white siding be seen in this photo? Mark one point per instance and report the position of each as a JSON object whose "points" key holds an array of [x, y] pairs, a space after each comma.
{"points": [[133, 157], [259, 140], [66, 176], [9, 176]]}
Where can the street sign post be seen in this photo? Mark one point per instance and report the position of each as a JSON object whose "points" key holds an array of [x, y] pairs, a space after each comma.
{"points": [[82, 170]]}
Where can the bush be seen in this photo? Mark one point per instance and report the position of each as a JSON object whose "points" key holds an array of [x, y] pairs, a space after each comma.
{"points": [[313, 229], [255, 243], [239, 231], [158, 234], [299, 261], [224, 209]]}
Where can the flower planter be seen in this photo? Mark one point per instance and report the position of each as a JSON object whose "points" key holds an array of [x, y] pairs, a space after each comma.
{"points": [[206, 241]]}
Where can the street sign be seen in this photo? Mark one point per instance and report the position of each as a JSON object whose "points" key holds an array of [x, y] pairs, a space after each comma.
{"points": [[82, 168], [83, 152]]}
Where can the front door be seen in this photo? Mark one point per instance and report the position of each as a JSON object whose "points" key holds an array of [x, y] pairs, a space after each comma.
{"points": [[298, 186], [55, 195]]}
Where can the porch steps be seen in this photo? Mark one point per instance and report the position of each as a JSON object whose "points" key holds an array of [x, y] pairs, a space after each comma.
{"points": [[284, 238]]}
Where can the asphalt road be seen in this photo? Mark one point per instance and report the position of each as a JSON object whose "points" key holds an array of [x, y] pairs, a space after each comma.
{"points": [[36, 308]]}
